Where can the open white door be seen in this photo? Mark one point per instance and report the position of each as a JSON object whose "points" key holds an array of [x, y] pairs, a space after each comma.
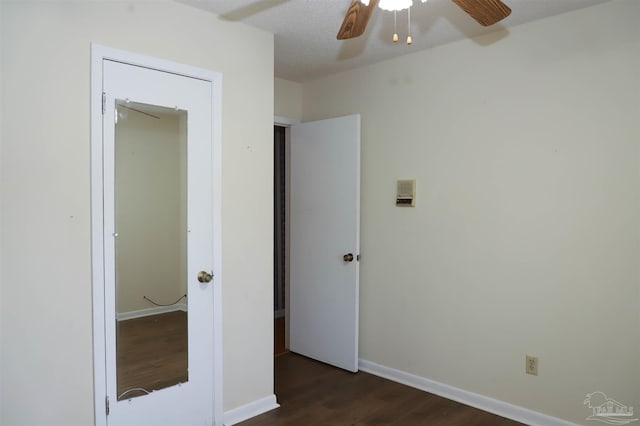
{"points": [[156, 237], [325, 240]]}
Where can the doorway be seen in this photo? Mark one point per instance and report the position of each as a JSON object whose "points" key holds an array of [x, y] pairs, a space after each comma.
{"points": [[316, 230], [280, 240]]}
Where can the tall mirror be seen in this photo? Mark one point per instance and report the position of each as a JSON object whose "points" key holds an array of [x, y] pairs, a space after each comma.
{"points": [[151, 248]]}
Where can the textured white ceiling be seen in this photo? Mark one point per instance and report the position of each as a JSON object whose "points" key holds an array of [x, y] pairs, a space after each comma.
{"points": [[305, 30]]}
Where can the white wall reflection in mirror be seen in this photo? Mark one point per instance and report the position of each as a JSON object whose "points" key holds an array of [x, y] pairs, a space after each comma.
{"points": [[151, 248]]}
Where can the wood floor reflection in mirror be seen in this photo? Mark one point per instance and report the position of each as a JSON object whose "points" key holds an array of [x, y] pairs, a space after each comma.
{"points": [[152, 353]]}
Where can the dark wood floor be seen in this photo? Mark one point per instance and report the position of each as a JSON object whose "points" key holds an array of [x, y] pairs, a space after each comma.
{"points": [[278, 337], [151, 352], [314, 394]]}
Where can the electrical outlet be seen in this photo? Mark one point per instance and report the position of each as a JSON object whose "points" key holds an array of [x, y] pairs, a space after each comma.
{"points": [[531, 366]]}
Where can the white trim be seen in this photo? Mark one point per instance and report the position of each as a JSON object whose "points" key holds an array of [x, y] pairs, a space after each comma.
{"points": [[147, 312], [98, 54], [97, 246], [501, 408], [252, 409], [287, 230], [284, 121], [216, 96]]}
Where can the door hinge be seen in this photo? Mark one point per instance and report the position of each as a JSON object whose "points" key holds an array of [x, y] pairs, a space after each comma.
{"points": [[106, 405], [104, 102]]}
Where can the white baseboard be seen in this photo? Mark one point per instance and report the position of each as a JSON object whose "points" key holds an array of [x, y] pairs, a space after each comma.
{"points": [[501, 408], [250, 410], [151, 311]]}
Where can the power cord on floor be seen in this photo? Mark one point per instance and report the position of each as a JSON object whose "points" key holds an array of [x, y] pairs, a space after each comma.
{"points": [[159, 304]]}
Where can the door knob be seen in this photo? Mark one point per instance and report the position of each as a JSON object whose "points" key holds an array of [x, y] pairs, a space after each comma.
{"points": [[348, 257], [204, 277]]}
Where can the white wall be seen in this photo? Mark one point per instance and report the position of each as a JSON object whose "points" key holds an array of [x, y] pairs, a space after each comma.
{"points": [[46, 369], [526, 234], [288, 99]]}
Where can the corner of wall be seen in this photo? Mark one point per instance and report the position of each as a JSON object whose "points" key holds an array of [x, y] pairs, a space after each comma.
{"points": [[288, 99]]}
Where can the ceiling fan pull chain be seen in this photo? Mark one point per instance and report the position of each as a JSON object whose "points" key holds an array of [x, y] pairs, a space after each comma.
{"points": [[409, 39], [395, 26]]}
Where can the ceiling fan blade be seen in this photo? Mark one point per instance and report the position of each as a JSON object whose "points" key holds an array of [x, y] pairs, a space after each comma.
{"points": [[486, 12], [356, 19]]}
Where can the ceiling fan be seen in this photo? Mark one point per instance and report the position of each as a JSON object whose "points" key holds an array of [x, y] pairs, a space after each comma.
{"points": [[486, 12]]}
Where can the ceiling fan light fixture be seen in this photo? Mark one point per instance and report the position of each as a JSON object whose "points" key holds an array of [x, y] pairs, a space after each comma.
{"points": [[395, 5], [392, 5], [485, 12]]}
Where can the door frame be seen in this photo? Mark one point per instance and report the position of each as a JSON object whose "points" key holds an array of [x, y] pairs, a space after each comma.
{"points": [[99, 53]]}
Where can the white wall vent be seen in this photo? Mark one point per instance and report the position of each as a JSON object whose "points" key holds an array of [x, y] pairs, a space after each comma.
{"points": [[406, 193]]}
